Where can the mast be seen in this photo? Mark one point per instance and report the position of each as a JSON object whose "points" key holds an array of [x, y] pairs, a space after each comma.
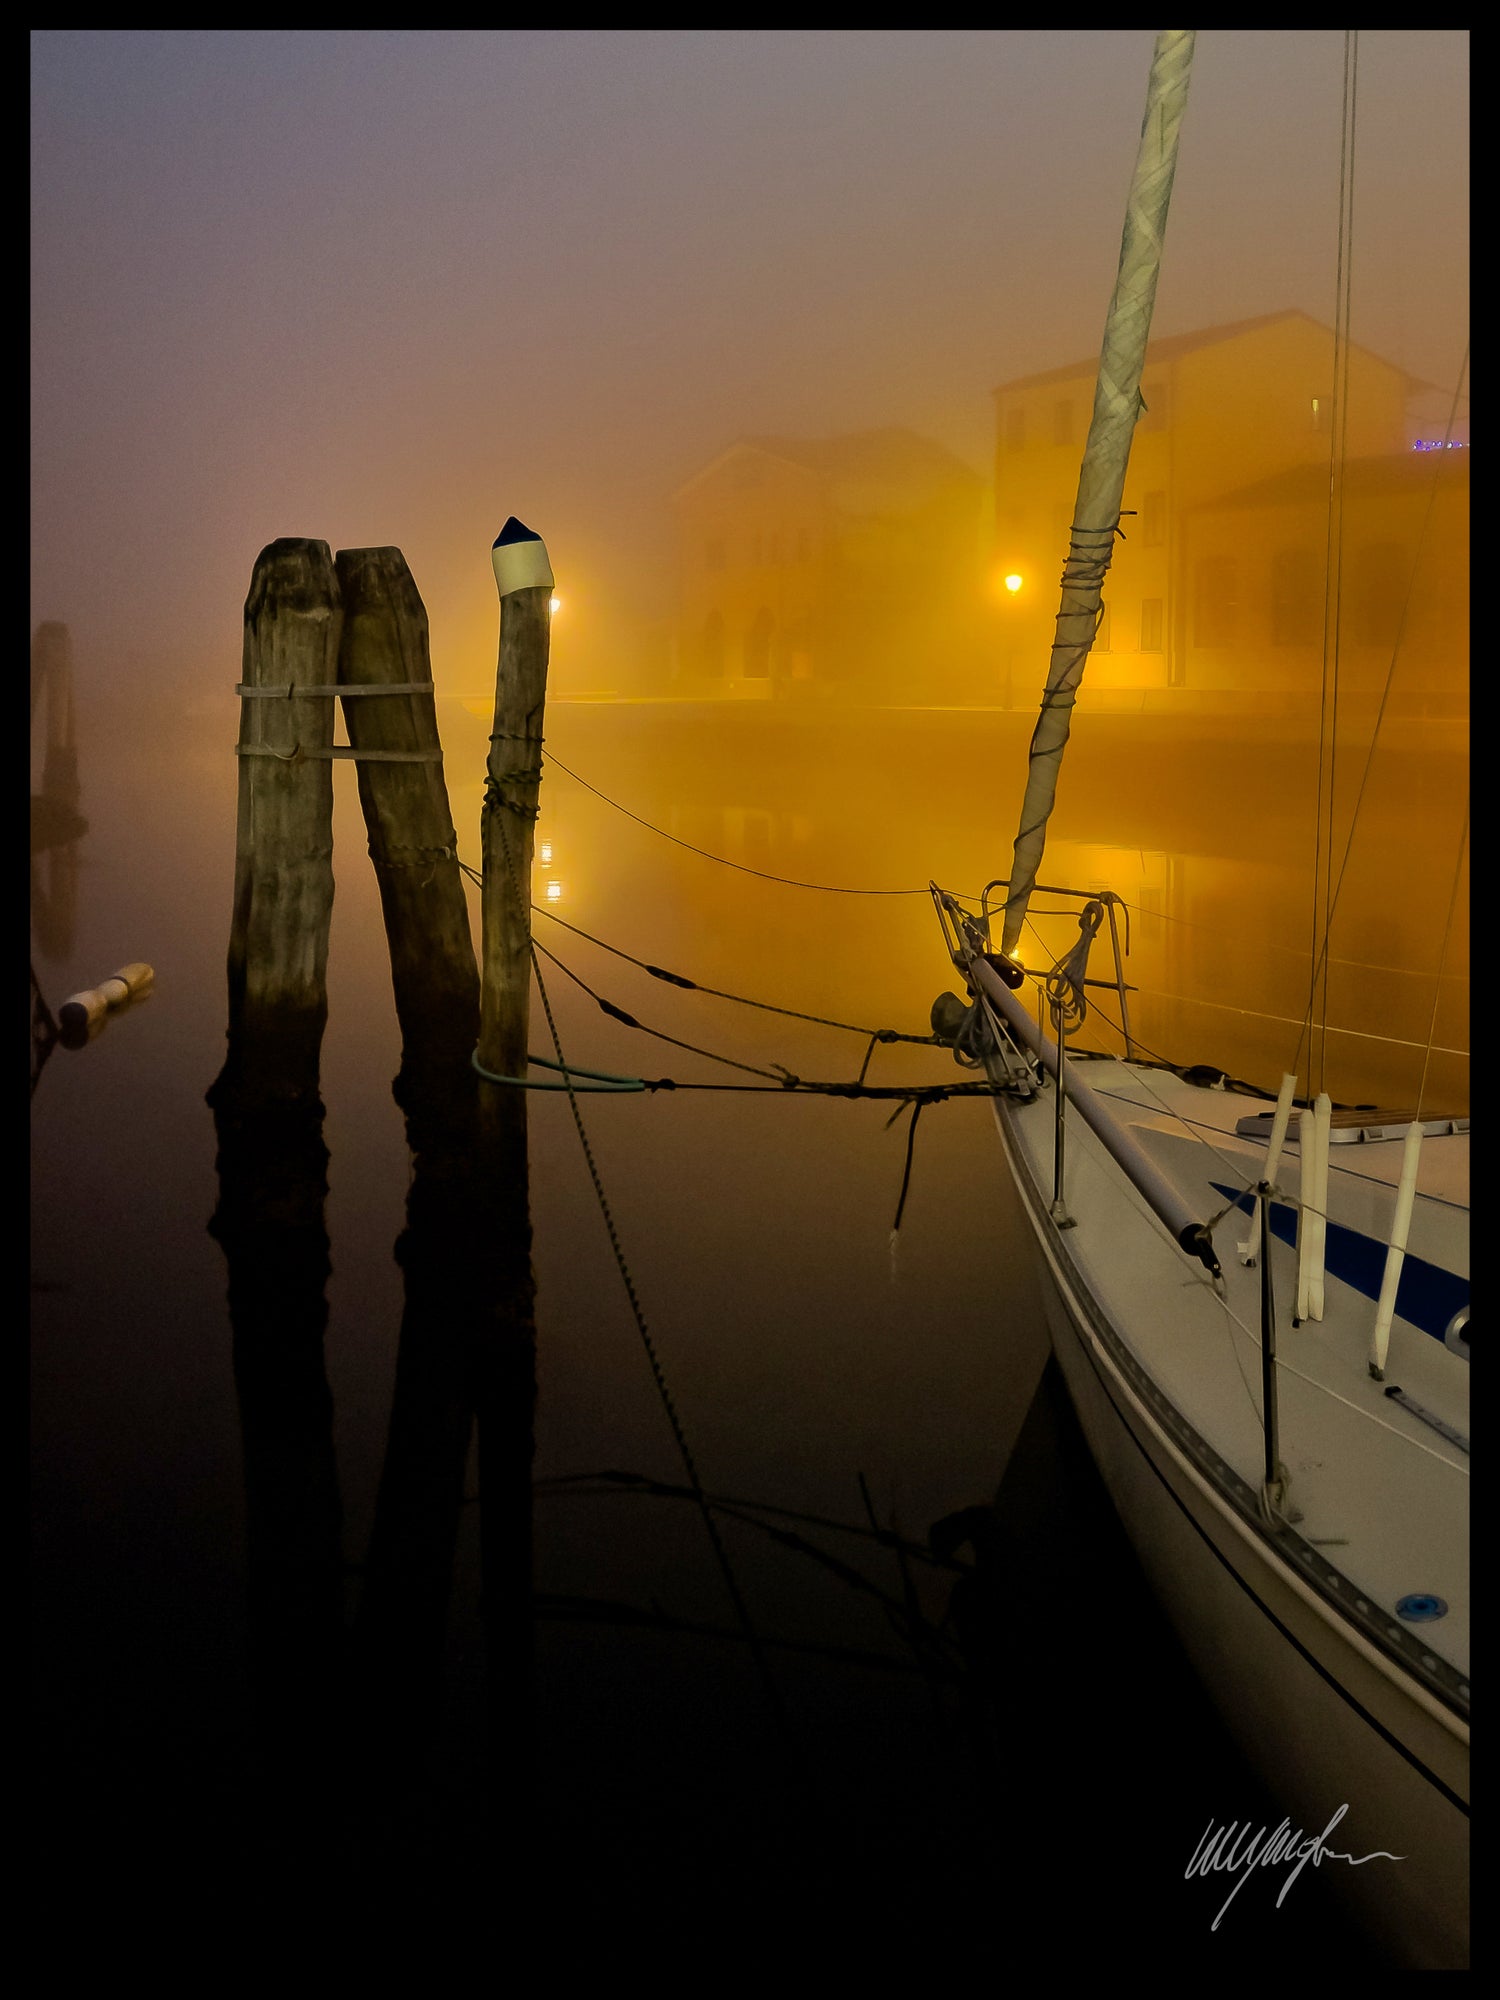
{"points": [[1101, 478]]}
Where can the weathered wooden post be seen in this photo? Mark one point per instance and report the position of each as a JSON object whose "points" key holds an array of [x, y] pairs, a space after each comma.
{"points": [[524, 577], [385, 673], [283, 869]]}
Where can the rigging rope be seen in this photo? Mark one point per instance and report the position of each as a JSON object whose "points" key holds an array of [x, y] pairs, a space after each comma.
{"points": [[1321, 957], [1317, 999], [828, 888], [696, 986]]}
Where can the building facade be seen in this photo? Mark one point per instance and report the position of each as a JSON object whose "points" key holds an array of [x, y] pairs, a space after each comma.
{"points": [[1220, 554], [843, 566]]}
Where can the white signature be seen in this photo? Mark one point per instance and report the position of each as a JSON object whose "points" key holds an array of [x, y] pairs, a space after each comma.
{"points": [[1235, 1847]]}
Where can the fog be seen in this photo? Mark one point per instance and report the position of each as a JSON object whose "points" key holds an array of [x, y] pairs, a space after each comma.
{"points": [[784, 342], [391, 287]]}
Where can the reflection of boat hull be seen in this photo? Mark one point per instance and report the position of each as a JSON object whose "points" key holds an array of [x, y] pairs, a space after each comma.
{"points": [[1318, 1710]]}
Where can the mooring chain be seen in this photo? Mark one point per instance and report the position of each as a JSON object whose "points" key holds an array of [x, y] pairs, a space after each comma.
{"points": [[658, 1373]]}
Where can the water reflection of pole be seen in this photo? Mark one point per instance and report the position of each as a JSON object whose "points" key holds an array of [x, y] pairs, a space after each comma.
{"points": [[466, 1358], [272, 1166]]}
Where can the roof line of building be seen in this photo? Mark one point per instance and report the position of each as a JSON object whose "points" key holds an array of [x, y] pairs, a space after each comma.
{"points": [[1172, 345]]}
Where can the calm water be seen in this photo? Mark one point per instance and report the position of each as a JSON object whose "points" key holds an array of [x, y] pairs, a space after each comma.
{"points": [[808, 1369]]}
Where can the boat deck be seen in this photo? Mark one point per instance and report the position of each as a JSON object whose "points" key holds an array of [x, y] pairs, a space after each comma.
{"points": [[1379, 1470]]}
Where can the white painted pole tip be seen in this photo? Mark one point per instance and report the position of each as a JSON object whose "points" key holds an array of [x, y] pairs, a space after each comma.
{"points": [[520, 558]]}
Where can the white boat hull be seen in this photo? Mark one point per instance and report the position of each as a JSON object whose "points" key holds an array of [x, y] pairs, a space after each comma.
{"points": [[1317, 1710]]}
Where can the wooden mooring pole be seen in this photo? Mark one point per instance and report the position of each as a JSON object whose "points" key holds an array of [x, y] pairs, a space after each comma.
{"points": [[283, 868], [524, 578], [394, 734]]}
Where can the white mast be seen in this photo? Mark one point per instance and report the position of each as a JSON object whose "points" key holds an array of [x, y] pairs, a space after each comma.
{"points": [[1101, 479]]}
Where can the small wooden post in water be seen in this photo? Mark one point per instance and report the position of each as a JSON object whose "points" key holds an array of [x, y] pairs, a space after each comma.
{"points": [[283, 866], [524, 577], [393, 731]]}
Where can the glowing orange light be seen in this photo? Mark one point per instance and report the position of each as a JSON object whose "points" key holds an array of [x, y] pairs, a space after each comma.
{"points": [[1013, 583], [554, 605], [544, 851], [554, 892]]}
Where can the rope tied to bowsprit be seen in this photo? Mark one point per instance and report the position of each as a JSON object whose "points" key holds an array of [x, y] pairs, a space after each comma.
{"points": [[1064, 984]]}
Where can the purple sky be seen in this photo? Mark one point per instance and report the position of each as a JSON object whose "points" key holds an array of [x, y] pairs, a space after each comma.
{"points": [[390, 287]]}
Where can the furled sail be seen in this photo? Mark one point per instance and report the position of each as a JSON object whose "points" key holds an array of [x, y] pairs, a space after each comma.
{"points": [[1101, 479]]}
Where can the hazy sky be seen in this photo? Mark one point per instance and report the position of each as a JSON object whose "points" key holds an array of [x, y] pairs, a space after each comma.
{"points": [[390, 287]]}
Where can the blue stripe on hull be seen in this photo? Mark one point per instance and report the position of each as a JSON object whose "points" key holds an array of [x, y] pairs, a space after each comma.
{"points": [[1427, 1296]]}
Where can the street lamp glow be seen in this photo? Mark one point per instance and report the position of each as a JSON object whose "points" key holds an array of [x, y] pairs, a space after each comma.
{"points": [[554, 605], [1013, 583]]}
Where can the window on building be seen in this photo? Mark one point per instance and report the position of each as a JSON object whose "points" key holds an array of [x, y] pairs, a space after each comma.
{"points": [[758, 647], [1216, 608], [1151, 625], [713, 554], [1015, 428], [1380, 577], [1062, 421], [713, 645], [1154, 519], [1154, 416], [1101, 632], [1296, 597]]}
